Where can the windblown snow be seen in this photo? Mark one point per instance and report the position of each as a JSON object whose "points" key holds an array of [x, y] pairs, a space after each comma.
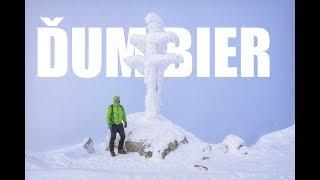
{"points": [[272, 157]]}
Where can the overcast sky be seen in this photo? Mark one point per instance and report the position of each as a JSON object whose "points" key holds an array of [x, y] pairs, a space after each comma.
{"points": [[62, 111]]}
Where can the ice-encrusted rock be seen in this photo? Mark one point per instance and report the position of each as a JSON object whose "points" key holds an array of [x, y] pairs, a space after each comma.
{"points": [[139, 147], [233, 144], [207, 148], [154, 139], [88, 145], [171, 147]]}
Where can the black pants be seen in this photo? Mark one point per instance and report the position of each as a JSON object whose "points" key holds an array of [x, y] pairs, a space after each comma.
{"points": [[114, 130]]}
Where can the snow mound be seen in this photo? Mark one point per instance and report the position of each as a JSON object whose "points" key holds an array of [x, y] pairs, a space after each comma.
{"points": [[234, 144], [157, 135], [278, 138]]}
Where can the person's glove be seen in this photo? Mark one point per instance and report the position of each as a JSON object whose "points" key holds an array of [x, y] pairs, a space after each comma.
{"points": [[125, 124], [110, 126]]}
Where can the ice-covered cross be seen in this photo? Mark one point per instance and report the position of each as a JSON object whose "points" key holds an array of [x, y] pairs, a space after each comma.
{"points": [[154, 62]]}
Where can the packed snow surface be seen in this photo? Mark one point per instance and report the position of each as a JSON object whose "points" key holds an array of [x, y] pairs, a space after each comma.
{"points": [[272, 157]]}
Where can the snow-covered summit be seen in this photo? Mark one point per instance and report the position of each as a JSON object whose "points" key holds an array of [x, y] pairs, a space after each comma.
{"points": [[157, 132], [186, 156]]}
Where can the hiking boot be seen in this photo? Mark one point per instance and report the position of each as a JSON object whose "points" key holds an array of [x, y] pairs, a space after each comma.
{"points": [[121, 151], [112, 153]]}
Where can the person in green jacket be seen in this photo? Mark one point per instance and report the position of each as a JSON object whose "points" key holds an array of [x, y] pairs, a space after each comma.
{"points": [[115, 115]]}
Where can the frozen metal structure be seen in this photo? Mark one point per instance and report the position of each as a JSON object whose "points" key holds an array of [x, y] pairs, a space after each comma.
{"points": [[155, 61]]}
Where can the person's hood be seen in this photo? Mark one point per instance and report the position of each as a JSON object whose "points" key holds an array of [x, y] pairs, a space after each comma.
{"points": [[115, 98]]}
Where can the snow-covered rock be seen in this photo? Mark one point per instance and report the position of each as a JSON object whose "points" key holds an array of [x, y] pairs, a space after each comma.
{"points": [[157, 137], [234, 144], [88, 145], [206, 148]]}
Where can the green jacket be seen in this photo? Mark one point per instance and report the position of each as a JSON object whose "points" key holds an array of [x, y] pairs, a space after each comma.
{"points": [[116, 114]]}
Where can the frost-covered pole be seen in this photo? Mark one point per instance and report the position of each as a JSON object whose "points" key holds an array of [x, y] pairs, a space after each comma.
{"points": [[154, 62]]}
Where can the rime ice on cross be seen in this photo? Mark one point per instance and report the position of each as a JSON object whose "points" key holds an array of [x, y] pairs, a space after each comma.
{"points": [[155, 60]]}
